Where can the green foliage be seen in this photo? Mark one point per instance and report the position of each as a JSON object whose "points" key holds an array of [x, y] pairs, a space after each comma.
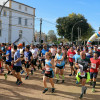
{"points": [[65, 24], [51, 37]]}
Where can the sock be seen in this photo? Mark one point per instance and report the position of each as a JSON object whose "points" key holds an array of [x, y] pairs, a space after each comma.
{"points": [[94, 83], [57, 76], [63, 77]]}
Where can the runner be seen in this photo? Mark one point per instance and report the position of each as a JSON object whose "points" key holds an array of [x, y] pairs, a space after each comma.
{"points": [[95, 64], [17, 66], [8, 60], [70, 54], [60, 64], [43, 52], [35, 55], [83, 75], [49, 64], [28, 59]]}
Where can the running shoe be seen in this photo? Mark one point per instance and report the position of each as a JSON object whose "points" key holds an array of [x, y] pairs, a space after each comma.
{"points": [[5, 76], [22, 71], [17, 81], [93, 90], [77, 82], [31, 72], [27, 77], [53, 90], [20, 83], [45, 90], [57, 81], [70, 74]]}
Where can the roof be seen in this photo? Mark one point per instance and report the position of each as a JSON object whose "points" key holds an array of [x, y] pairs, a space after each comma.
{"points": [[17, 11], [23, 4]]}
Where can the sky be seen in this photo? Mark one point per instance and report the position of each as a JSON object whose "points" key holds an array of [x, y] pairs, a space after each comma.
{"points": [[50, 10]]}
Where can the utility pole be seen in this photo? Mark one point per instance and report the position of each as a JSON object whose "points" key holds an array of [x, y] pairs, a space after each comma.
{"points": [[78, 34], [40, 29]]}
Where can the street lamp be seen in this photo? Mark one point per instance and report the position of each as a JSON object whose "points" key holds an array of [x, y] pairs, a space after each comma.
{"points": [[73, 28], [3, 7]]}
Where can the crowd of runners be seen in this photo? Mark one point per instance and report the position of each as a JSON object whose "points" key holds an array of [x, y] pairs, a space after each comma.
{"points": [[84, 63]]}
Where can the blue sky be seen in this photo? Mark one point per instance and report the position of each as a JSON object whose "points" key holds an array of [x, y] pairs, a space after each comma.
{"points": [[50, 10]]}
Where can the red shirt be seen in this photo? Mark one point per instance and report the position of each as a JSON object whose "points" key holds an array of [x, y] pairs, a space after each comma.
{"points": [[70, 55], [94, 65]]}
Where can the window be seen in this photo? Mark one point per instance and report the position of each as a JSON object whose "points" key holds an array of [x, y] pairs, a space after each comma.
{"points": [[25, 22], [4, 13], [20, 33], [25, 8], [19, 20], [19, 6], [0, 32]]}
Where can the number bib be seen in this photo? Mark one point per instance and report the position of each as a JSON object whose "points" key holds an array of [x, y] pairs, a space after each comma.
{"points": [[93, 65], [82, 74], [59, 62], [47, 68], [71, 56], [26, 58]]}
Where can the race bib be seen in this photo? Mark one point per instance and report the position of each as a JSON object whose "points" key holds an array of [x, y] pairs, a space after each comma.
{"points": [[71, 56], [59, 62], [82, 74], [47, 68], [26, 58], [7, 58], [93, 65]]}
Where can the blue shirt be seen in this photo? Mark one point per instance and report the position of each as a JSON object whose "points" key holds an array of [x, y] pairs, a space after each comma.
{"points": [[27, 56], [44, 51], [60, 63], [8, 58], [16, 56], [76, 56]]}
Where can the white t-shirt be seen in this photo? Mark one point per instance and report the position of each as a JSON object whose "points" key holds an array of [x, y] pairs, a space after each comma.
{"points": [[53, 51], [34, 53]]}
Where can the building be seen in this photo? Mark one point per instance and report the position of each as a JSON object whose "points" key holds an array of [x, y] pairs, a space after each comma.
{"points": [[43, 37], [17, 23]]}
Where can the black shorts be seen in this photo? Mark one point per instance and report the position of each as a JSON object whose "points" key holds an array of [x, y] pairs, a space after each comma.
{"points": [[34, 61], [93, 75], [12, 58], [23, 62], [27, 65], [81, 77], [17, 68], [60, 67], [49, 74], [4, 58], [8, 63], [71, 63], [53, 57]]}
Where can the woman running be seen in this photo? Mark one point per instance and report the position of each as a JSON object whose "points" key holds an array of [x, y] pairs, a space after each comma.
{"points": [[60, 64], [49, 64]]}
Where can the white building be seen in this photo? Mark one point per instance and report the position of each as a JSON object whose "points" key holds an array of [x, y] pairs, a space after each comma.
{"points": [[16, 23]]}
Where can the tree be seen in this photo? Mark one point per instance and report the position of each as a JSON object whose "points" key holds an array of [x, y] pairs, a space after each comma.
{"points": [[51, 37], [65, 24]]}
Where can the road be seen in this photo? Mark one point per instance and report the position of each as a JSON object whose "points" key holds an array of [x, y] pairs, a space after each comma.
{"points": [[32, 89]]}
